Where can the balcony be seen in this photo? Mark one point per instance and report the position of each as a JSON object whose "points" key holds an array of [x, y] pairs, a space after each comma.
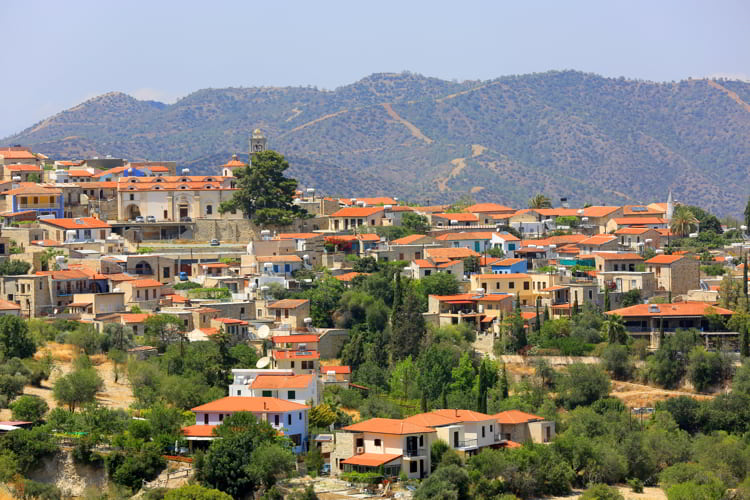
{"points": [[467, 444], [415, 452], [37, 206]]}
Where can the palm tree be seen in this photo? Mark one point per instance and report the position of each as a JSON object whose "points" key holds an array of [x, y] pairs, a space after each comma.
{"points": [[614, 329], [683, 221], [540, 201], [49, 255]]}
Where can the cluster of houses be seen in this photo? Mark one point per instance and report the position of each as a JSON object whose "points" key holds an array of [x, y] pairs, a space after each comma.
{"points": [[110, 241]]}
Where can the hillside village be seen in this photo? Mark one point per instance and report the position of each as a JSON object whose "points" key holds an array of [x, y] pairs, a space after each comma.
{"points": [[381, 341]]}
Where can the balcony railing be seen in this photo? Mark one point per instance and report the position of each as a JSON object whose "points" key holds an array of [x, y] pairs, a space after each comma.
{"points": [[30, 206], [415, 452], [467, 443]]}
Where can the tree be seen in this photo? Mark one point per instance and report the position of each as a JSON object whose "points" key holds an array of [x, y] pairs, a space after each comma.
{"points": [[49, 255], [440, 284], [314, 461], [118, 336], [403, 378], [77, 388], [540, 201], [747, 216], [537, 319], [583, 384], [13, 267], [613, 329], [195, 492], [415, 223], [29, 409], [617, 362], [269, 461], [496, 252], [15, 341], [308, 493], [607, 305], [448, 482], [486, 378], [163, 329], [631, 297], [683, 221], [407, 328], [704, 369], [263, 192], [601, 492]]}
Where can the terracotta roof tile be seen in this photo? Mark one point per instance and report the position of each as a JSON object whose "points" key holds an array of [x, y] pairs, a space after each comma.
{"points": [[388, 426], [251, 404], [678, 309], [515, 417], [77, 223], [371, 459], [282, 381]]}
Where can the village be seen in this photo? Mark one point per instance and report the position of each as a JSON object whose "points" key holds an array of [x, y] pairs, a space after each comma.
{"points": [[146, 247]]}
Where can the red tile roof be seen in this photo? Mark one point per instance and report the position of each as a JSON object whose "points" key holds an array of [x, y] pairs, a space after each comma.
{"points": [[77, 223], [349, 276], [144, 283], [407, 240], [9, 306], [231, 321], [134, 317], [464, 415], [278, 258], [294, 339], [508, 262], [601, 211], [460, 217], [599, 239], [252, 404], [451, 253], [388, 426], [371, 459], [679, 309], [515, 417], [282, 381], [357, 212], [508, 276], [618, 256], [487, 208], [296, 355], [665, 259], [80, 173], [632, 221], [340, 370], [288, 304], [198, 430], [23, 168], [16, 154]]}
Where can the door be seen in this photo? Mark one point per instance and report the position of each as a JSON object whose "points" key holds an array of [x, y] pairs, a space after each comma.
{"points": [[455, 439], [421, 468], [183, 211]]}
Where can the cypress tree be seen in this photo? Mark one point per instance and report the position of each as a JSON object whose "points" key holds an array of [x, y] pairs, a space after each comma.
{"points": [[546, 313], [424, 402], [504, 382], [537, 323], [744, 341], [443, 399], [407, 328], [606, 298], [661, 331], [397, 293], [744, 277]]}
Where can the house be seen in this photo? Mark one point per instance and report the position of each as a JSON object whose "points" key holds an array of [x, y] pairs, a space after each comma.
{"points": [[290, 312], [78, 230], [468, 432], [486, 211], [31, 197], [450, 253], [613, 261], [598, 243], [237, 328], [454, 219], [32, 293], [479, 310], [648, 320], [408, 248], [353, 217], [514, 283], [637, 211], [638, 238], [385, 445], [145, 293], [336, 375], [353, 243], [9, 308], [596, 218], [509, 266], [304, 242], [23, 171], [280, 384], [65, 283], [17, 155], [650, 222], [521, 427], [425, 267], [675, 273], [623, 281], [287, 417], [279, 264]]}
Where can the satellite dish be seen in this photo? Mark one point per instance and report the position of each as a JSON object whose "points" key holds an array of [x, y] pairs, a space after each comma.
{"points": [[263, 332], [263, 362]]}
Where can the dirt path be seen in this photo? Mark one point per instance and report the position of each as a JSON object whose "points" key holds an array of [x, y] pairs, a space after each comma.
{"points": [[317, 120], [296, 112], [732, 95], [638, 395], [409, 125], [649, 493]]}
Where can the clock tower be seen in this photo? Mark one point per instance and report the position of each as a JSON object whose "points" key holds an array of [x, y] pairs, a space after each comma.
{"points": [[257, 142]]}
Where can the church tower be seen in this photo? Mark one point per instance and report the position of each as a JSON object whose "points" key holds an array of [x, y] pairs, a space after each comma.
{"points": [[257, 142], [670, 206]]}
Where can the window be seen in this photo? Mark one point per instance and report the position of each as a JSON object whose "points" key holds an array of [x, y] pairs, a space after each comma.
{"points": [[490, 427], [138, 294], [276, 420], [511, 284], [525, 285], [300, 415], [205, 419], [377, 442], [209, 210], [421, 440], [291, 395], [412, 466], [288, 419], [166, 272], [267, 394], [221, 417], [292, 364], [239, 392], [497, 285], [360, 442], [132, 197], [482, 431]]}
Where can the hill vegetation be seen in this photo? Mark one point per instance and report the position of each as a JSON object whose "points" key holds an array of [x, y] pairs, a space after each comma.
{"points": [[589, 138]]}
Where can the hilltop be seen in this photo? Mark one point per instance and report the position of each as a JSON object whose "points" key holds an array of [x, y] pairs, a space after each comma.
{"points": [[590, 138]]}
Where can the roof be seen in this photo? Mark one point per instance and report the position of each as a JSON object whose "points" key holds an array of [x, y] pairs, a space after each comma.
{"points": [[490, 297], [631, 221], [23, 168], [388, 426], [641, 210], [463, 415], [665, 259], [406, 240], [298, 236], [341, 370], [634, 230], [77, 223], [9, 306], [350, 276], [46, 243], [294, 339], [209, 331], [282, 381], [515, 417], [80, 173], [16, 154], [488, 208], [507, 276], [508, 262], [451, 253], [252, 404], [278, 258], [134, 317], [554, 288], [460, 217], [66, 274], [296, 355], [341, 238], [231, 321], [219, 265], [555, 240], [378, 200], [679, 309], [371, 459], [599, 239], [198, 430], [143, 283], [357, 212], [618, 256], [33, 189], [478, 235], [600, 211], [288, 304]]}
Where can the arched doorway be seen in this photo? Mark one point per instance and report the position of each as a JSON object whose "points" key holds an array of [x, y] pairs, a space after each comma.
{"points": [[143, 267], [132, 212]]}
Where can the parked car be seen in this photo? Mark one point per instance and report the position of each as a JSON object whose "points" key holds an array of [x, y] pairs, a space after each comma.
{"points": [[150, 218], [215, 243], [183, 276], [140, 219]]}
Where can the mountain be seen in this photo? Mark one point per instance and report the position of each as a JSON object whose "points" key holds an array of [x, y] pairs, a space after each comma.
{"points": [[567, 134]]}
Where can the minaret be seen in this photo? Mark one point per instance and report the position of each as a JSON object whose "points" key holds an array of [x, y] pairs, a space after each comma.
{"points": [[670, 206], [257, 142]]}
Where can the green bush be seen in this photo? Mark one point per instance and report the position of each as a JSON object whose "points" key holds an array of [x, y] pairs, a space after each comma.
{"points": [[636, 485], [186, 285], [29, 408]]}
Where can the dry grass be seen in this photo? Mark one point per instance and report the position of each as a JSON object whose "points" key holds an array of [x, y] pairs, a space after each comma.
{"points": [[639, 395]]}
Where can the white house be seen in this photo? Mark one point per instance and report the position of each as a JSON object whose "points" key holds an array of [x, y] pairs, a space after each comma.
{"points": [[284, 416], [281, 384]]}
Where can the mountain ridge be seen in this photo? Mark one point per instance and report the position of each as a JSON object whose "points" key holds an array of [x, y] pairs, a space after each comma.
{"points": [[572, 134]]}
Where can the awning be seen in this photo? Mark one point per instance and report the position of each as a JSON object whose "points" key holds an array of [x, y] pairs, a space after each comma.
{"points": [[371, 459]]}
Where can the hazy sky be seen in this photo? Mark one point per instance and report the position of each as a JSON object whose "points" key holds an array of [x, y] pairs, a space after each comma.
{"points": [[58, 53]]}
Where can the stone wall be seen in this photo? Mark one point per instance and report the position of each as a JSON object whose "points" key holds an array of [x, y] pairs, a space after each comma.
{"points": [[244, 230], [71, 478]]}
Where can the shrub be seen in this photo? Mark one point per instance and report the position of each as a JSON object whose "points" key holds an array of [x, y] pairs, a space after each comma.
{"points": [[29, 408], [636, 485], [601, 492]]}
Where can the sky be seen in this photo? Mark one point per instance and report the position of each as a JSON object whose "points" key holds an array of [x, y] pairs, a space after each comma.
{"points": [[57, 54]]}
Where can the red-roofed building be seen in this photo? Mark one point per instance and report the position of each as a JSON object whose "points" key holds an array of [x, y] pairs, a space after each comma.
{"points": [[461, 219], [287, 417], [353, 217], [638, 238], [675, 273], [426, 267], [598, 243], [471, 308], [519, 427], [76, 230], [13, 155], [145, 293], [652, 222]]}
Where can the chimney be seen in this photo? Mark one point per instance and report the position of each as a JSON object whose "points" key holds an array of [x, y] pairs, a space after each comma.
{"points": [[265, 405]]}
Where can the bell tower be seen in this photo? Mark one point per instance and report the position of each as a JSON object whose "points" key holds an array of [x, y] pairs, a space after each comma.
{"points": [[257, 142]]}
